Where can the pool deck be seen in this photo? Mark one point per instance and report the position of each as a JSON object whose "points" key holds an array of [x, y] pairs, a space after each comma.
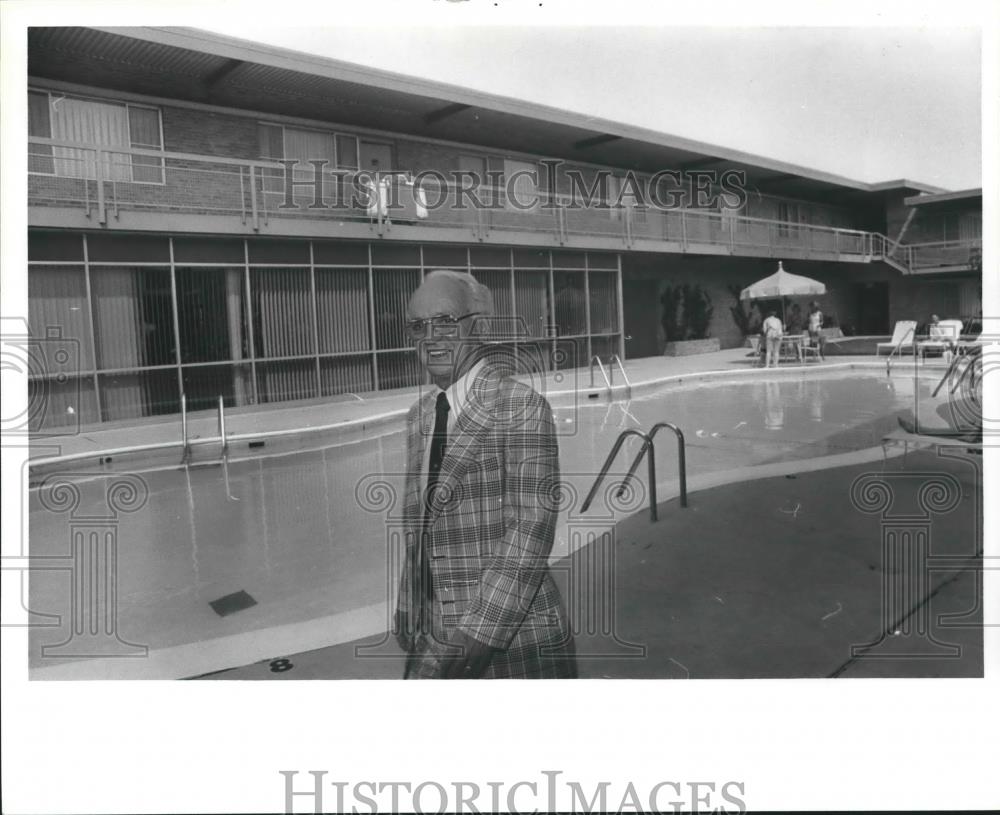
{"points": [[384, 412], [800, 595], [352, 413]]}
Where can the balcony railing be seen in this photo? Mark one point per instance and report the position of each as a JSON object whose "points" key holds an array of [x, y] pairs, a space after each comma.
{"points": [[944, 254], [106, 182]]}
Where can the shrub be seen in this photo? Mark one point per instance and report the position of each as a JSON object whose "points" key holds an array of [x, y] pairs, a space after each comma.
{"points": [[687, 313], [670, 317], [698, 311]]}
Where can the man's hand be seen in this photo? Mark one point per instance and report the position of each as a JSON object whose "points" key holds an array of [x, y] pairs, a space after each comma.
{"points": [[402, 632], [466, 657]]}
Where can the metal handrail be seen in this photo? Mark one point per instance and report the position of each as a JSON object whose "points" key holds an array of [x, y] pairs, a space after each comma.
{"points": [[947, 375], [649, 447], [222, 427], [621, 367], [647, 444], [727, 223], [608, 381], [911, 333], [970, 369], [186, 451], [681, 460]]}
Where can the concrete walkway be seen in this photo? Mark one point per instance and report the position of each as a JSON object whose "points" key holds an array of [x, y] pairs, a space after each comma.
{"points": [[779, 577], [347, 413]]}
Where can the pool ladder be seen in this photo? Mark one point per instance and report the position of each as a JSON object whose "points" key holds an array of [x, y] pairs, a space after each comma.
{"points": [[649, 450], [912, 336], [186, 442], [610, 380]]}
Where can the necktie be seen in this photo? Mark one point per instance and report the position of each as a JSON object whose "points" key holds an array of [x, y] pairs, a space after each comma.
{"points": [[438, 441]]}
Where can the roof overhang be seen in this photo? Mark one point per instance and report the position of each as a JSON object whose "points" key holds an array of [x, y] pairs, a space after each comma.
{"points": [[198, 66], [949, 200]]}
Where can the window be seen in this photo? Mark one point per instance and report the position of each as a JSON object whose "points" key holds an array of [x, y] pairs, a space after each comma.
{"points": [[788, 214], [524, 187], [620, 199], [277, 142], [119, 128]]}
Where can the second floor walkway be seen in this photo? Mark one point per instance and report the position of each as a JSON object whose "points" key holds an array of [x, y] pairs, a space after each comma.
{"points": [[77, 185]]}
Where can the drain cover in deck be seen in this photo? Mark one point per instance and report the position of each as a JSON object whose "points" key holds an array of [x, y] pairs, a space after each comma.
{"points": [[231, 603]]}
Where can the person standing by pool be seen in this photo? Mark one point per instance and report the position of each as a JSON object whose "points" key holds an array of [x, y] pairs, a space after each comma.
{"points": [[815, 323], [476, 598], [773, 331]]}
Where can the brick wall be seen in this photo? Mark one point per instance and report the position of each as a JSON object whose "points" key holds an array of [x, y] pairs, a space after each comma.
{"points": [[208, 133], [222, 134], [916, 298]]}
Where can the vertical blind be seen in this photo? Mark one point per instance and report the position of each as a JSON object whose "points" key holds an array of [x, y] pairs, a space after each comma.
{"points": [[392, 289], [342, 310], [603, 302], [283, 312], [57, 299], [110, 125], [532, 297], [141, 371]]}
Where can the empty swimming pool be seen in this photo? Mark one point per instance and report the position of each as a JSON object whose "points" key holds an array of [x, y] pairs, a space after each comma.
{"points": [[299, 544]]}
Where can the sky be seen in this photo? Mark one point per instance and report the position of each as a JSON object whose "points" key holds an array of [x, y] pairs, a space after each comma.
{"points": [[872, 104]]}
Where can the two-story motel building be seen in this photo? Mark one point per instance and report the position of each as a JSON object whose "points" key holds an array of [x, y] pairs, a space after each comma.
{"points": [[159, 243]]}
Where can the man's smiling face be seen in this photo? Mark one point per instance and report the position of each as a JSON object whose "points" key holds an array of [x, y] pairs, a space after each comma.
{"points": [[444, 351]]}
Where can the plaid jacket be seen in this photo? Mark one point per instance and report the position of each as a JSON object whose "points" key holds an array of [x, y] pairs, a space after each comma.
{"points": [[490, 530]]}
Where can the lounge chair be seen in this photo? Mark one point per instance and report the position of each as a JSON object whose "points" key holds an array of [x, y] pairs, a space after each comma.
{"points": [[902, 337], [807, 349], [942, 337]]}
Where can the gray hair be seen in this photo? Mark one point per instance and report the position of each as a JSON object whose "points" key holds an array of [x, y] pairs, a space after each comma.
{"points": [[480, 298]]}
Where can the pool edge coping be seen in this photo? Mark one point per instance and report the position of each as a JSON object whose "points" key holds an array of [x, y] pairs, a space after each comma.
{"points": [[613, 393]]}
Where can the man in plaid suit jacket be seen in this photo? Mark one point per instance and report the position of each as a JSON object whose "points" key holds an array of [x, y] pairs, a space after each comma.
{"points": [[476, 598]]}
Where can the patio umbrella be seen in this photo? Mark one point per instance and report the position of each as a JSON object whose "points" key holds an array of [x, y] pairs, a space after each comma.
{"points": [[782, 284]]}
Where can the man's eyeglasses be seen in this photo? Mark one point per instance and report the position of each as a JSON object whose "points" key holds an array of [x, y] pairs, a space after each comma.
{"points": [[443, 325]]}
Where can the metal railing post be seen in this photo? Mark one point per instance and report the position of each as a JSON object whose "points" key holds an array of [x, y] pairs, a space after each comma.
{"points": [[186, 449], [681, 456], [911, 332], [648, 447], [222, 426], [86, 188], [651, 475], [254, 213], [99, 174], [647, 444], [607, 381], [681, 459], [615, 358], [243, 199]]}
